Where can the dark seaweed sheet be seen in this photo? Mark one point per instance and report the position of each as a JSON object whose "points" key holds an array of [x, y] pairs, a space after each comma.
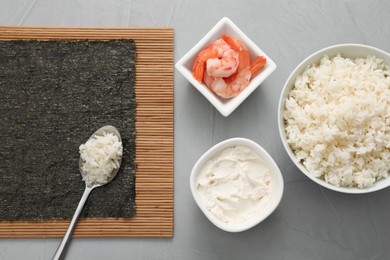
{"points": [[53, 96]]}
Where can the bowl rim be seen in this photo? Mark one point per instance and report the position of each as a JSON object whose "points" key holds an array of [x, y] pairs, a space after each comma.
{"points": [[379, 185], [228, 106], [275, 171]]}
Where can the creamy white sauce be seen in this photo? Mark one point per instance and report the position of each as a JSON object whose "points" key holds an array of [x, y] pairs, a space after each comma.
{"points": [[235, 184]]}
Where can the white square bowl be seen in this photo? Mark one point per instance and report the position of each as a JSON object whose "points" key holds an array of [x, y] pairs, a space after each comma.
{"points": [[185, 64]]}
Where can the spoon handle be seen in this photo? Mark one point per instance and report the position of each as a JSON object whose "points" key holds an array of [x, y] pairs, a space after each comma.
{"points": [[60, 253]]}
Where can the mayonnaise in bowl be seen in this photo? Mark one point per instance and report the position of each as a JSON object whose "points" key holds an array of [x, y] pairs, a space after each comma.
{"points": [[236, 184]]}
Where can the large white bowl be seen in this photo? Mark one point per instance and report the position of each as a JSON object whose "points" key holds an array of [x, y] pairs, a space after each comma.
{"points": [[185, 64], [275, 173], [346, 51]]}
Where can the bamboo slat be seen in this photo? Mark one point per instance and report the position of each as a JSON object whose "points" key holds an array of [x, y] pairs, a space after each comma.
{"points": [[154, 138]]}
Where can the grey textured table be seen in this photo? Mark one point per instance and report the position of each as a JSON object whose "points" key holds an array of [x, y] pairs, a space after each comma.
{"points": [[311, 222]]}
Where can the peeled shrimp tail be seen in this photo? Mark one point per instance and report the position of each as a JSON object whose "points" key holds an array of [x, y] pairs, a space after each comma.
{"points": [[257, 64], [234, 43], [198, 69], [200, 62]]}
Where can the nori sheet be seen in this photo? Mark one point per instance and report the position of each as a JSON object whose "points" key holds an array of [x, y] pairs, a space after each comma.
{"points": [[53, 96]]}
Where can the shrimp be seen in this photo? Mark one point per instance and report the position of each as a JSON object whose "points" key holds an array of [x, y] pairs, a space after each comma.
{"points": [[256, 65], [231, 86], [228, 88], [219, 60], [228, 67], [200, 62], [227, 62]]}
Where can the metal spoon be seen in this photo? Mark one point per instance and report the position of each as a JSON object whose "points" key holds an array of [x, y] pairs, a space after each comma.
{"points": [[60, 253]]}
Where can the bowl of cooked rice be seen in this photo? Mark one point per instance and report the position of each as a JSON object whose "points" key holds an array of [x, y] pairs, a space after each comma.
{"points": [[334, 118]]}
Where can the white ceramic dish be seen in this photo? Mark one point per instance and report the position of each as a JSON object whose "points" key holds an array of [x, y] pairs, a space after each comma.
{"points": [[276, 176], [346, 51], [224, 26]]}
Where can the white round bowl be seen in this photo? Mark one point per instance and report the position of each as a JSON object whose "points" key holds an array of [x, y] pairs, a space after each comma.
{"points": [[270, 205], [346, 51]]}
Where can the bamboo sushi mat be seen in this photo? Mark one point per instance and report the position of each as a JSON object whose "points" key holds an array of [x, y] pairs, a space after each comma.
{"points": [[154, 137]]}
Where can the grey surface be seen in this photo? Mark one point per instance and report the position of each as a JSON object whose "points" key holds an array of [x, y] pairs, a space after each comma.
{"points": [[311, 222]]}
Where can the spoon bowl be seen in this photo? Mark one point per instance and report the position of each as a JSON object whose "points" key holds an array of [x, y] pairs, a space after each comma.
{"points": [[107, 129], [60, 253]]}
